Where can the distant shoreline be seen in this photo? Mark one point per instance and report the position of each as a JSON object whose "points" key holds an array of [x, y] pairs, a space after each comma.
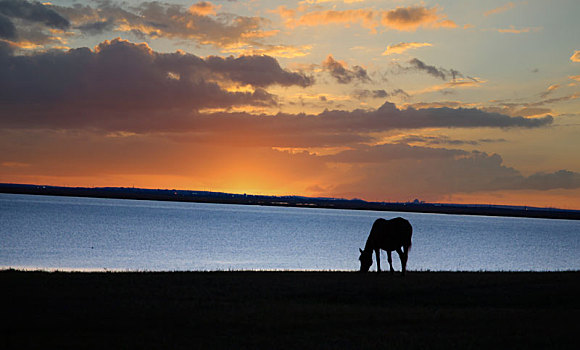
{"points": [[289, 201]]}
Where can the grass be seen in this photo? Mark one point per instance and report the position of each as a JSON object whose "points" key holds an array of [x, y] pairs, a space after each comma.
{"points": [[290, 310]]}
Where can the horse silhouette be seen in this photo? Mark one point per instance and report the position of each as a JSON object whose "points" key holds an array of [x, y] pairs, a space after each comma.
{"points": [[388, 235]]}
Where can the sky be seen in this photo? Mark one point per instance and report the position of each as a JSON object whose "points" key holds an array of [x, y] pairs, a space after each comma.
{"points": [[442, 101]]}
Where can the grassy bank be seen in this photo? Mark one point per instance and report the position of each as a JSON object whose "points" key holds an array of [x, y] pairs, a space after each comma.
{"points": [[290, 310]]}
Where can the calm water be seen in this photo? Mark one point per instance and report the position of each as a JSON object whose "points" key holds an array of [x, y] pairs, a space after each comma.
{"points": [[96, 234]]}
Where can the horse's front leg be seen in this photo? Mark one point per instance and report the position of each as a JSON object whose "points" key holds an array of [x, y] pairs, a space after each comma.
{"points": [[378, 256], [390, 258]]}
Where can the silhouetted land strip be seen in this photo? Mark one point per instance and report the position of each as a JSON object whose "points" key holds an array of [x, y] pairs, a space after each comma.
{"points": [[290, 310], [289, 201]]}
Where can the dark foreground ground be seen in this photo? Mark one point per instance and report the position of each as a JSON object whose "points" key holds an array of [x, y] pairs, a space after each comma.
{"points": [[290, 310]]}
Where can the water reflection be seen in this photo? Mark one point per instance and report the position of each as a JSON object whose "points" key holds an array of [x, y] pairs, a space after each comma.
{"points": [[85, 233]]}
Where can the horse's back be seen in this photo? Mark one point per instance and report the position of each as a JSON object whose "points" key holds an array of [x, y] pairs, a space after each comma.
{"points": [[393, 233], [397, 224]]}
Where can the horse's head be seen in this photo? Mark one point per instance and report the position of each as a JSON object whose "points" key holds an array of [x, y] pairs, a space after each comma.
{"points": [[366, 260]]}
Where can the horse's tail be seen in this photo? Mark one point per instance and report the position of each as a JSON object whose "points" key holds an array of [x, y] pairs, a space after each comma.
{"points": [[407, 247], [408, 244]]}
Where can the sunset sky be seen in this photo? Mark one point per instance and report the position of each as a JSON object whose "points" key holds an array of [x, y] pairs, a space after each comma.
{"points": [[446, 101]]}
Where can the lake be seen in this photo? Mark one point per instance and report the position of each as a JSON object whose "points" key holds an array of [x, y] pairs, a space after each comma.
{"points": [[70, 233]]}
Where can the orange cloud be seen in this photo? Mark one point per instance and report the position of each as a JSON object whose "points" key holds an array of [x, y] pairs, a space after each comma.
{"points": [[204, 8], [402, 47], [441, 104], [513, 30], [260, 34], [556, 198], [14, 164], [509, 5], [458, 83], [323, 1], [366, 18], [285, 51], [575, 56], [550, 89], [22, 44], [401, 18]]}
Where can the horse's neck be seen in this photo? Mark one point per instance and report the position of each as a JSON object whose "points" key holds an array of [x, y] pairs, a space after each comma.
{"points": [[370, 244]]}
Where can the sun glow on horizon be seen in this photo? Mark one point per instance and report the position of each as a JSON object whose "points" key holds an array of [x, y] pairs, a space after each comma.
{"points": [[316, 98]]}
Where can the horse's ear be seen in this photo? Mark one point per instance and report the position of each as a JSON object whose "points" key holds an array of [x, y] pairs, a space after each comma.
{"points": [[360, 250]]}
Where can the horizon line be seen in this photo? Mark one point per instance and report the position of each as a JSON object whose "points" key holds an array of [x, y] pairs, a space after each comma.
{"points": [[411, 202]]}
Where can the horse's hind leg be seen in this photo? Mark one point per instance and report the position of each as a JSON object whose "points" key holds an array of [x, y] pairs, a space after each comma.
{"points": [[403, 257], [390, 258], [378, 256]]}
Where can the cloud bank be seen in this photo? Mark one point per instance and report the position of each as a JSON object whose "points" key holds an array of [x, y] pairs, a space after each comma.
{"points": [[33, 12], [31, 25], [121, 86], [423, 172], [200, 22], [124, 77]]}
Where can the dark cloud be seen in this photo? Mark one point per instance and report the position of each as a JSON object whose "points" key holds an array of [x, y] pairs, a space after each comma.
{"points": [[547, 181], [433, 173], [574, 96], [97, 27], [33, 12], [121, 86], [432, 70], [199, 22], [389, 152], [30, 23], [561, 179], [421, 172], [336, 127], [528, 109], [455, 74], [400, 92], [378, 94], [412, 17], [366, 94], [341, 72], [7, 28], [440, 73], [445, 140], [126, 77], [257, 71], [516, 110], [449, 117]]}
